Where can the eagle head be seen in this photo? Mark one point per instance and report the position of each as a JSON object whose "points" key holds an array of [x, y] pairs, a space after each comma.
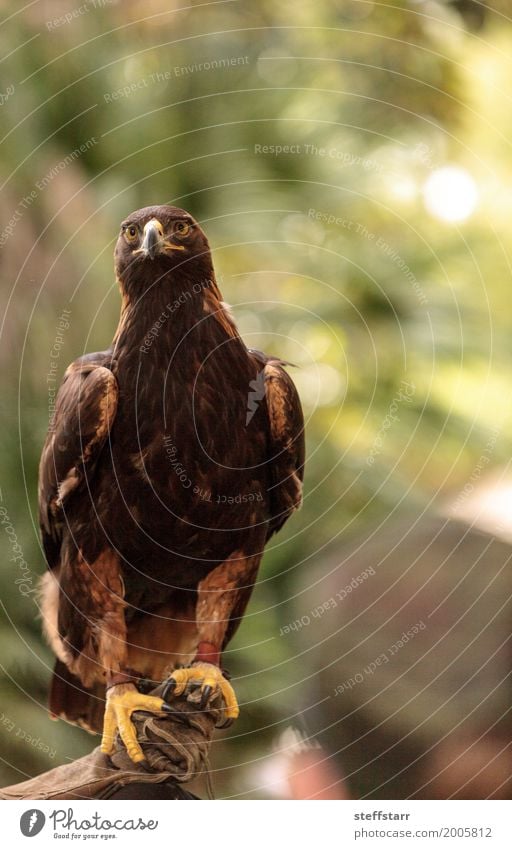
{"points": [[159, 240]]}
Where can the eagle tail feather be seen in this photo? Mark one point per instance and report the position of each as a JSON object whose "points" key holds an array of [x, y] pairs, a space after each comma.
{"points": [[70, 700]]}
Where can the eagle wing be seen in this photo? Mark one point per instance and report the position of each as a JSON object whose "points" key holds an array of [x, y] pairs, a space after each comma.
{"points": [[286, 453], [285, 458], [85, 409]]}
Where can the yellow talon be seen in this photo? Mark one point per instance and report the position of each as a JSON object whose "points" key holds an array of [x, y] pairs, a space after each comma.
{"points": [[210, 678], [122, 701]]}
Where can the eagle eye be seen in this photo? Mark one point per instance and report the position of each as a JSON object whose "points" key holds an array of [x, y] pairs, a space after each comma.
{"points": [[131, 233], [181, 228]]}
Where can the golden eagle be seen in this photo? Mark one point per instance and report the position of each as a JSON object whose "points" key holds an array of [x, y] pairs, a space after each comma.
{"points": [[171, 459]]}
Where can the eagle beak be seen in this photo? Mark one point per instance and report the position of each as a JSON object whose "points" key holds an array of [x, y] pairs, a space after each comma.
{"points": [[152, 237], [153, 241]]}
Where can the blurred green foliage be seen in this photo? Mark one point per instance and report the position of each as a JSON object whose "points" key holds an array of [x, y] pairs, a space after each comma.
{"points": [[328, 253]]}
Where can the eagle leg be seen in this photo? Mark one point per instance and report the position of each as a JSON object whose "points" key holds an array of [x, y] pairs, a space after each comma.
{"points": [[221, 599], [122, 701]]}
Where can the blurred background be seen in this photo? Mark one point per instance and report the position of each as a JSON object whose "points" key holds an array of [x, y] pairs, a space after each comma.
{"points": [[351, 164]]}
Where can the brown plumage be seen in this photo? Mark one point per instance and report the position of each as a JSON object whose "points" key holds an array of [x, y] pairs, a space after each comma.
{"points": [[172, 458]]}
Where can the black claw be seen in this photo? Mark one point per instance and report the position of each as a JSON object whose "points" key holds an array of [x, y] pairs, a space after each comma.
{"points": [[168, 690], [205, 695]]}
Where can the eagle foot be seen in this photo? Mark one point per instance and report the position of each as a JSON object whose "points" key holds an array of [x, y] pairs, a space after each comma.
{"points": [[209, 679], [122, 701]]}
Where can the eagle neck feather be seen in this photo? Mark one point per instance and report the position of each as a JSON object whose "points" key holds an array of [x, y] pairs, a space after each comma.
{"points": [[158, 321]]}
